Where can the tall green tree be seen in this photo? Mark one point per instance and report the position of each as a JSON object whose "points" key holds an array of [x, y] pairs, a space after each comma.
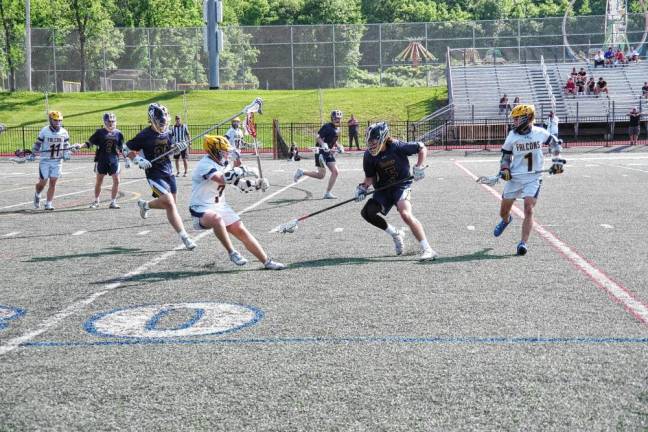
{"points": [[12, 16]]}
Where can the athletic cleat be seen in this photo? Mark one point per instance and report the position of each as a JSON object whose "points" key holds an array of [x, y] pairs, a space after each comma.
{"points": [[298, 174], [522, 248], [114, 205], [500, 227], [189, 243], [329, 195], [142, 204], [178, 174], [49, 206], [94, 205], [399, 243], [184, 175], [37, 199], [428, 255], [237, 258], [274, 265]]}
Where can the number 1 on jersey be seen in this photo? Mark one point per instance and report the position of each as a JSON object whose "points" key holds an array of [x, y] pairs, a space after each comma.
{"points": [[529, 158]]}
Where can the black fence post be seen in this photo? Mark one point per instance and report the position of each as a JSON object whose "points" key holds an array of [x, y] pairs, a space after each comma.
{"points": [[23, 137]]}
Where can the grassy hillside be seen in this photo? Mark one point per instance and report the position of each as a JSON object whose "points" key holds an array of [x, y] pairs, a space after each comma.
{"points": [[207, 107]]}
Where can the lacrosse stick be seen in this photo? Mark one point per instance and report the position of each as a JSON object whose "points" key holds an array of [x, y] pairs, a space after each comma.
{"points": [[493, 180], [291, 227], [255, 106], [250, 128]]}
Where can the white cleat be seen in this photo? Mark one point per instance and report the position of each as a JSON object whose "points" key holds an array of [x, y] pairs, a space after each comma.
{"points": [[142, 204], [237, 258], [189, 243], [298, 174], [94, 205], [274, 265], [49, 206], [428, 255], [399, 242], [114, 205], [37, 199], [329, 195]]}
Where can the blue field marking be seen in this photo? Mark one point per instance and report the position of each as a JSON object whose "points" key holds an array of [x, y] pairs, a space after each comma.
{"points": [[151, 324], [520, 341], [9, 313]]}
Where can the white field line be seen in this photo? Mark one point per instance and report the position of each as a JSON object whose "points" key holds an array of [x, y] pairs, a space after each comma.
{"points": [[620, 294], [71, 193], [76, 307], [141, 233], [627, 168], [11, 234], [568, 157], [607, 226], [78, 233], [66, 180]]}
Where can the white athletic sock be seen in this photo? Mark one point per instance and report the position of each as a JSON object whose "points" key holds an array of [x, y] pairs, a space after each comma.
{"points": [[183, 234], [114, 200], [37, 194], [48, 202], [391, 230], [424, 244]]}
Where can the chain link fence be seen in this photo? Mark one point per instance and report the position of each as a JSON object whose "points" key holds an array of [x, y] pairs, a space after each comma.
{"points": [[296, 57]]}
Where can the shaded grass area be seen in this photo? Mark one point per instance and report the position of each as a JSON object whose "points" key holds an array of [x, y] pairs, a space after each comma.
{"points": [[206, 107]]}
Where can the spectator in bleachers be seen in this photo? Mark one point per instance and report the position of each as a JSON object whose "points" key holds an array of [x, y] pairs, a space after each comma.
{"points": [[619, 58], [582, 74], [591, 86], [516, 101], [633, 55], [570, 87], [601, 87], [552, 124], [574, 74], [599, 59], [635, 125], [609, 56], [644, 89], [504, 106]]}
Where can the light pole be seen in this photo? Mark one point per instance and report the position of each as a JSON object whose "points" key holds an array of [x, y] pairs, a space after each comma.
{"points": [[28, 45], [214, 40]]}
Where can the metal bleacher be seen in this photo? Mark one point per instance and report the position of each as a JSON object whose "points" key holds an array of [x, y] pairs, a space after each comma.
{"points": [[476, 90]]}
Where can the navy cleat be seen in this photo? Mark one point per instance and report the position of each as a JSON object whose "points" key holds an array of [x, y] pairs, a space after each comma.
{"points": [[521, 248], [500, 227]]}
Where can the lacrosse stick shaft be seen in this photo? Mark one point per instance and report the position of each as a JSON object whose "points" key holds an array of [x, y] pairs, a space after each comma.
{"points": [[205, 132], [396, 183], [258, 158]]}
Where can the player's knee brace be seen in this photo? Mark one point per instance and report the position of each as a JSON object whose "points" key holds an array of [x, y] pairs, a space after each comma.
{"points": [[370, 213]]}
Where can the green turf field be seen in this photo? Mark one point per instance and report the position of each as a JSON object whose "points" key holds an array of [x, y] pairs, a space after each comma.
{"points": [[22, 109]]}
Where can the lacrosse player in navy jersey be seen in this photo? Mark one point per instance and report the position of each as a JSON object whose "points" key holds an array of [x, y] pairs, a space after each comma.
{"points": [[209, 209], [153, 142], [109, 142], [386, 162], [521, 168], [327, 144]]}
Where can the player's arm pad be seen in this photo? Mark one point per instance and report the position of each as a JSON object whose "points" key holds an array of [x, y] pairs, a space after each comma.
{"points": [[231, 176], [507, 158], [555, 145]]}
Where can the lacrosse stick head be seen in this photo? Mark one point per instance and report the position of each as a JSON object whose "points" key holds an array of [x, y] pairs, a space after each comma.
{"points": [[488, 180], [288, 227]]}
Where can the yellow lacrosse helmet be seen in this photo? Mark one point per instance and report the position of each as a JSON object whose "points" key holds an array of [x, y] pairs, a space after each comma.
{"points": [[523, 116], [216, 146], [55, 119]]}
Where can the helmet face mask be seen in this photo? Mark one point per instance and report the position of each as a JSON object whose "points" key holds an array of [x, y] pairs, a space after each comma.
{"points": [[158, 117], [217, 147], [236, 122], [375, 137], [55, 119], [336, 117], [523, 116], [110, 121]]}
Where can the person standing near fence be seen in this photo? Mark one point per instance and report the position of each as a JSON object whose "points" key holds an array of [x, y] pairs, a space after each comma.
{"points": [[235, 137], [635, 125], [179, 133], [552, 124], [353, 131]]}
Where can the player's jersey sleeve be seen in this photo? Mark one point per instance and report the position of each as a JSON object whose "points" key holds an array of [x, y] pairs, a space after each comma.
{"points": [[407, 148], [137, 143], [368, 165], [508, 142], [206, 171], [95, 138]]}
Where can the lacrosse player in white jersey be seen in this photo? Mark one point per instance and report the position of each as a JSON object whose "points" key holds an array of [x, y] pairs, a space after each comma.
{"points": [[235, 137], [208, 207], [53, 144], [521, 168]]}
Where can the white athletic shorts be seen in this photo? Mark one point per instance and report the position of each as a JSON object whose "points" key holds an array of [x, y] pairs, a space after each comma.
{"points": [[222, 209], [514, 189], [50, 168]]}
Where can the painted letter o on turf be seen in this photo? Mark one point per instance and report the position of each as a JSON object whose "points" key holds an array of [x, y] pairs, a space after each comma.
{"points": [[189, 319]]}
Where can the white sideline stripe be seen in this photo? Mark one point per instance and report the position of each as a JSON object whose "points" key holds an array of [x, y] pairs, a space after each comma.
{"points": [[143, 232], [68, 194], [619, 293], [607, 226], [11, 234], [570, 158], [470, 228], [627, 168], [338, 230], [76, 307], [78, 233]]}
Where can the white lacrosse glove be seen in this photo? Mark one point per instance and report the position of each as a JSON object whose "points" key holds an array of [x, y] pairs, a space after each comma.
{"points": [[418, 172], [233, 175], [31, 157], [67, 155], [127, 162], [180, 147], [361, 192], [557, 166], [246, 185], [142, 163], [75, 147], [340, 148], [263, 184]]}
